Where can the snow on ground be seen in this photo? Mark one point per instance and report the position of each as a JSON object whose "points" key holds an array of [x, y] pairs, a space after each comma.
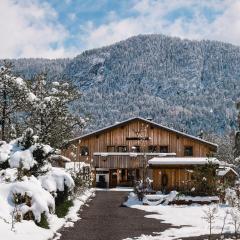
{"points": [[27, 230], [116, 189], [41, 200], [190, 218]]}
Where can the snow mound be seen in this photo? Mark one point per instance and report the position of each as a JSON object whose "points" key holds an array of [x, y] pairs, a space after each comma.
{"points": [[5, 150], [174, 197], [8, 175], [56, 179], [22, 159], [41, 200]]}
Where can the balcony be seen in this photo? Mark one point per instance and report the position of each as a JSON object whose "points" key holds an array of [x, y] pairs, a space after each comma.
{"points": [[133, 154], [130, 160]]}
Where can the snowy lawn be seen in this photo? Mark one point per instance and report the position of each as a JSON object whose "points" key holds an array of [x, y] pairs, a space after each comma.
{"points": [[190, 219], [28, 230]]}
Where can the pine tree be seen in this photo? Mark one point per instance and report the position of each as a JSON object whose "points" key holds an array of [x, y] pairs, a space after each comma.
{"points": [[15, 98], [52, 117]]}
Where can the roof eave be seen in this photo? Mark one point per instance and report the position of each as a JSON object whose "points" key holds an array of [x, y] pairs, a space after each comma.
{"points": [[150, 122]]}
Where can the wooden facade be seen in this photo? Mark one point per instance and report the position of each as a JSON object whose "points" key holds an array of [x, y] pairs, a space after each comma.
{"points": [[178, 178], [124, 148]]}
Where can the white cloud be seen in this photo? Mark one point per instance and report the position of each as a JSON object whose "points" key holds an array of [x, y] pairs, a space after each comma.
{"points": [[152, 16], [30, 29], [72, 16]]}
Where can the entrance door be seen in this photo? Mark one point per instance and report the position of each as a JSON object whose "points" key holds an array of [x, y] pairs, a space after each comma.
{"points": [[113, 178]]}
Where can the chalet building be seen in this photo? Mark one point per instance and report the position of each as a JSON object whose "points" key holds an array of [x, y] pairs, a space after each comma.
{"points": [[119, 153]]}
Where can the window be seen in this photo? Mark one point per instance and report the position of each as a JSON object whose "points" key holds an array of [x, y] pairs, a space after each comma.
{"points": [[152, 148], [163, 149], [188, 151], [122, 148], [84, 151], [110, 148], [136, 148]]}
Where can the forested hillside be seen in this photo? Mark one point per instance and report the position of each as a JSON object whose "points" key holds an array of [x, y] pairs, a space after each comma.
{"points": [[188, 85]]}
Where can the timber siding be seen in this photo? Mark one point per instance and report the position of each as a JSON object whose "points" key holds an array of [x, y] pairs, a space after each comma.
{"points": [[117, 136], [114, 168]]}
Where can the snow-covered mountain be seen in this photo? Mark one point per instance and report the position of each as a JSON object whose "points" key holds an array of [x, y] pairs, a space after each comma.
{"points": [[188, 85]]}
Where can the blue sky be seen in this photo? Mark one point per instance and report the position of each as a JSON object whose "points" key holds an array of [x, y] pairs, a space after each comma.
{"points": [[65, 28]]}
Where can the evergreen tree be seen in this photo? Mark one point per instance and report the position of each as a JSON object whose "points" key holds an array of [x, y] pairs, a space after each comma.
{"points": [[237, 138], [51, 116], [15, 98]]}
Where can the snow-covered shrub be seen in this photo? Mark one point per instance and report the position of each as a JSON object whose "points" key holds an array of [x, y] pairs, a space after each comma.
{"points": [[35, 187], [31, 197], [56, 179], [231, 197], [81, 173], [8, 175], [26, 154], [60, 184]]}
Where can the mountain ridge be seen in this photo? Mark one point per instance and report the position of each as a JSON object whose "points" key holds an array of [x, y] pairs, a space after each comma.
{"points": [[184, 84]]}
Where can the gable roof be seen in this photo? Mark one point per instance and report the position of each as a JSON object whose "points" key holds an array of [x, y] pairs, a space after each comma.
{"points": [[223, 171], [149, 122]]}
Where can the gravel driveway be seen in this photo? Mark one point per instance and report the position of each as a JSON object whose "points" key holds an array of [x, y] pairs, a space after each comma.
{"points": [[107, 219]]}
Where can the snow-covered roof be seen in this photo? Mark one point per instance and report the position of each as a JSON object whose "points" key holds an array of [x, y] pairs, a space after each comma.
{"points": [[132, 154], [223, 171], [149, 122], [181, 161]]}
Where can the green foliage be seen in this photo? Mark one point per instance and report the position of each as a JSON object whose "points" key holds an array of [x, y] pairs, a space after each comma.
{"points": [[44, 222], [63, 207], [205, 179], [51, 116], [62, 202], [62, 196], [82, 179], [41, 159], [27, 138], [4, 165]]}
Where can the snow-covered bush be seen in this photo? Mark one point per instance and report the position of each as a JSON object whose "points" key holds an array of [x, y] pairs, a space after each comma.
{"points": [[231, 197], [81, 173], [33, 187], [56, 179], [31, 197], [8, 175], [26, 154]]}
